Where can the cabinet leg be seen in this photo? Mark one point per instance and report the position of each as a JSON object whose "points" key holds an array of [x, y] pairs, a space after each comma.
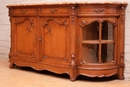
{"points": [[121, 77], [73, 68], [72, 79], [11, 65], [121, 73]]}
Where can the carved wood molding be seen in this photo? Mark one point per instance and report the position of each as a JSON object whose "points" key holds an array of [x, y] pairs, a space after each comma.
{"points": [[49, 28], [65, 59], [73, 62], [82, 62], [121, 64], [25, 54], [17, 21], [54, 20], [84, 22], [99, 10], [73, 15], [73, 67], [113, 61], [122, 15], [55, 58], [100, 75]]}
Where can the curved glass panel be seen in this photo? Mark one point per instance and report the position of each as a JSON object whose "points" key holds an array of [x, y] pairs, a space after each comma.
{"points": [[90, 31], [107, 53], [107, 48], [107, 31], [98, 43], [90, 53]]}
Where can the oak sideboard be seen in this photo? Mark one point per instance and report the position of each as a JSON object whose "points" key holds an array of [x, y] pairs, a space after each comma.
{"points": [[74, 38]]}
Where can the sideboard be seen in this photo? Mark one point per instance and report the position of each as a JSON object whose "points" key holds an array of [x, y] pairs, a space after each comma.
{"points": [[74, 38]]}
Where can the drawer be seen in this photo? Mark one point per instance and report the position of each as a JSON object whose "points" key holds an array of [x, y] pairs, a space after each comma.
{"points": [[98, 10], [55, 10], [24, 11]]}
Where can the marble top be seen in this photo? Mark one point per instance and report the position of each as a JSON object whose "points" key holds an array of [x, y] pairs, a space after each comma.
{"points": [[45, 2]]}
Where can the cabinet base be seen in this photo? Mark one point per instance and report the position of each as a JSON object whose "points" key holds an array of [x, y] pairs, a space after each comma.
{"points": [[66, 69]]}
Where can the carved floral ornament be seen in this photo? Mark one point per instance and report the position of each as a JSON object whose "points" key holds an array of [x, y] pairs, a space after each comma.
{"points": [[99, 10], [49, 28], [73, 15], [17, 21], [54, 20], [122, 14]]}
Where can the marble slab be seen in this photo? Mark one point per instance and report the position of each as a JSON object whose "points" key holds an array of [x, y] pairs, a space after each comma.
{"points": [[68, 2]]}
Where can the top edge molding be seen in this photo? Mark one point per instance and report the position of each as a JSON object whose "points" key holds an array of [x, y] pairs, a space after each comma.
{"points": [[65, 3]]}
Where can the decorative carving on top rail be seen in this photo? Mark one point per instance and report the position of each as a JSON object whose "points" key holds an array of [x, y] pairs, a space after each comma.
{"points": [[99, 11], [49, 28], [53, 19], [23, 11], [84, 22]]}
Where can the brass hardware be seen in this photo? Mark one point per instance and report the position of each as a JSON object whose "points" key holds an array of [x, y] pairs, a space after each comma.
{"points": [[23, 11], [53, 10]]}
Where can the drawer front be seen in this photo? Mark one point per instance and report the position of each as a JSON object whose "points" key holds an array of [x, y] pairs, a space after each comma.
{"points": [[55, 10], [98, 10], [24, 11]]}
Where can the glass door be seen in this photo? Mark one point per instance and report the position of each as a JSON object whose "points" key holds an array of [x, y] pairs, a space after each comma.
{"points": [[97, 42]]}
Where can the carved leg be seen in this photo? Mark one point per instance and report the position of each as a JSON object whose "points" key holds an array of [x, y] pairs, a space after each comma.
{"points": [[73, 68], [11, 65], [73, 78], [121, 73]]}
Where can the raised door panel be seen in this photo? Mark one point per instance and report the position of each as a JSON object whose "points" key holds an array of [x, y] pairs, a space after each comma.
{"points": [[24, 38], [55, 43]]}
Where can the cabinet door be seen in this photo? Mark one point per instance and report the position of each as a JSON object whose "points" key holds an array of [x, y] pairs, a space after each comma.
{"points": [[24, 38], [55, 40], [98, 43]]}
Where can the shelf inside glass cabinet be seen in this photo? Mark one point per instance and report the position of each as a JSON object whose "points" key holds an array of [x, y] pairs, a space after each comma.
{"points": [[97, 41]]}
